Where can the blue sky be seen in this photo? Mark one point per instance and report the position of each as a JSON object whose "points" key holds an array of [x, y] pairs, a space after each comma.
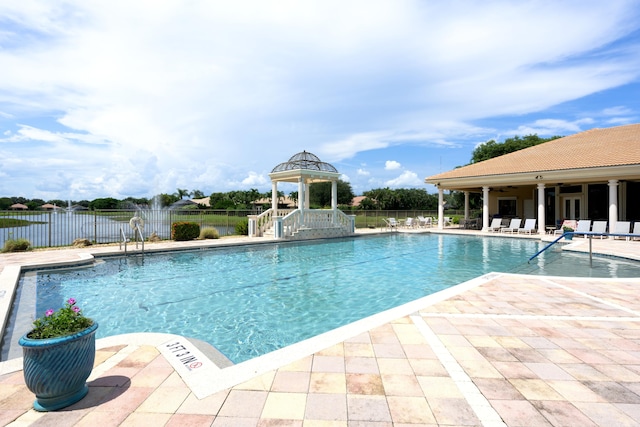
{"points": [[136, 98]]}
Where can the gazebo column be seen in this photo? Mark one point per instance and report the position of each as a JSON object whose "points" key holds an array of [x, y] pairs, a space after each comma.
{"points": [[274, 197], [613, 204], [485, 208], [440, 208], [306, 195], [334, 200], [466, 205], [542, 220], [302, 198]]}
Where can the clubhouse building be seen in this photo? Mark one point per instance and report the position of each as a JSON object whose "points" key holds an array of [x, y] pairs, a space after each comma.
{"points": [[590, 175]]}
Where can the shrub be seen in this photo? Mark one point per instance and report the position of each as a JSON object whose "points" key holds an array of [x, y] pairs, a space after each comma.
{"points": [[209, 233], [184, 230], [16, 245], [242, 227]]}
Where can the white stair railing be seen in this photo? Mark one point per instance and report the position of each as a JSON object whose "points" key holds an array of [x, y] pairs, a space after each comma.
{"points": [[315, 219], [264, 221]]}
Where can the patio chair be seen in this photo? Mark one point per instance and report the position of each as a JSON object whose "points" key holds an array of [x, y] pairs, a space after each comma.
{"points": [[390, 223], [424, 222], [636, 230], [410, 223], [622, 227], [513, 226], [529, 227], [495, 224], [447, 221], [599, 227], [583, 226]]}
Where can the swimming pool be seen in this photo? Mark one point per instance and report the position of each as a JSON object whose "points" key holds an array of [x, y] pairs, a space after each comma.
{"points": [[250, 300]]}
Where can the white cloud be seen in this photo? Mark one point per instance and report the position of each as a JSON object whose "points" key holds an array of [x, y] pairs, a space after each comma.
{"points": [[204, 94], [254, 179], [407, 179], [363, 172], [391, 165], [552, 127], [617, 111]]}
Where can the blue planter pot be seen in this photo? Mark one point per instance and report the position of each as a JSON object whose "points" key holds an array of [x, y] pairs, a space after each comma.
{"points": [[56, 369]]}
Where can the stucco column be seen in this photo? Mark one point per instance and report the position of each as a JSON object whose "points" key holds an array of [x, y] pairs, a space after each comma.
{"points": [[542, 220], [613, 204], [485, 208], [306, 195], [334, 200], [301, 195], [466, 205], [440, 208], [274, 197]]}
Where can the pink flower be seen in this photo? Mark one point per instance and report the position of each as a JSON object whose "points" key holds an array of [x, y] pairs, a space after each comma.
{"points": [[71, 301], [48, 313], [76, 309]]}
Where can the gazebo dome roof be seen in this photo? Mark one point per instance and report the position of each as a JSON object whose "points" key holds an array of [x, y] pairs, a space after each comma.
{"points": [[306, 161]]}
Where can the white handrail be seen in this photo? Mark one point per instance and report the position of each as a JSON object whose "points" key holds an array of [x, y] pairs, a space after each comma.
{"points": [[314, 219], [264, 221]]}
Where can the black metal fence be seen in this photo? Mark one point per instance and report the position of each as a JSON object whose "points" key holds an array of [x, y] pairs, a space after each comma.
{"points": [[60, 228]]}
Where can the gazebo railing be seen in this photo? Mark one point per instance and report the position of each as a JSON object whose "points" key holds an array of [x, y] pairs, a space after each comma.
{"points": [[315, 219], [264, 221]]}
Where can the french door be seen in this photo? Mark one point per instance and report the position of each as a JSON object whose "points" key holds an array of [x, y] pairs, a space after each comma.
{"points": [[571, 207]]}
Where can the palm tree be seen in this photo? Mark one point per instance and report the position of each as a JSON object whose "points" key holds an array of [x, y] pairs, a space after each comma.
{"points": [[182, 192]]}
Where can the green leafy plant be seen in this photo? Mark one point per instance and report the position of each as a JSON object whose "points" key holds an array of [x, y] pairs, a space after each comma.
{"points": [[16, 245], [183, 230], [242, 227], [209, 233], [567, 229], [66, 321]]}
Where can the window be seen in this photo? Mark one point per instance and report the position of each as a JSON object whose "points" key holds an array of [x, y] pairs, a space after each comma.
{"points": [[507, 206]]}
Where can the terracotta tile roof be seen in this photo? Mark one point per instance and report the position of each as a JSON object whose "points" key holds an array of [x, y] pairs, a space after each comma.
{"points": [[616, 146]]}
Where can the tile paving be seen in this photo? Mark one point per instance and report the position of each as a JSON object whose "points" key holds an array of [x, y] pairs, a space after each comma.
{"points": [[514, 350]]}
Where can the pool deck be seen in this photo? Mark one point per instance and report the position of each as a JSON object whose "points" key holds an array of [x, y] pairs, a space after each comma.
{"points": [[501, 349]]}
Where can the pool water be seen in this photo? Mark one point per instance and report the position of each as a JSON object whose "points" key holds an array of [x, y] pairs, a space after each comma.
{"points": [[250, 300]]}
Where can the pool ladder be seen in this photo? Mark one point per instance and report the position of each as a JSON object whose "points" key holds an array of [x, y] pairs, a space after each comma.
{"points": [[137, 232]]}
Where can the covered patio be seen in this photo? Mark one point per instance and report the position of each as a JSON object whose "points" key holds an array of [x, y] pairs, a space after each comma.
{"points": [[591, 175]]}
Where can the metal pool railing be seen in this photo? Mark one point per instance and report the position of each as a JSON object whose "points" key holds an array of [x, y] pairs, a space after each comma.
{"points": [[588, 234], [60, 228]]}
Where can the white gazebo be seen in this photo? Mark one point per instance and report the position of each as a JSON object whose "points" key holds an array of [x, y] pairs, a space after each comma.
{"points": [[303, 169]]}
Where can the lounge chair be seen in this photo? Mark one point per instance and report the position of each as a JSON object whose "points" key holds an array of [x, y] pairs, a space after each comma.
{"points": [[636, 230], [622, 227], [447, 221], [529, 227], [391, 223], [566, 223], [584, 225], [424, 222], [513, 226], [599, 227], [410, 223], [495, 224]]}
